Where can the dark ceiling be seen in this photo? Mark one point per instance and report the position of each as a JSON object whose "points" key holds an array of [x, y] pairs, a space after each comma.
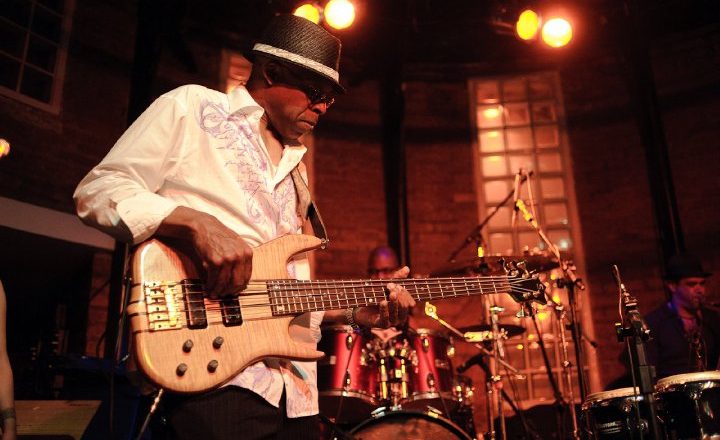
{"points": [[455, 31]]}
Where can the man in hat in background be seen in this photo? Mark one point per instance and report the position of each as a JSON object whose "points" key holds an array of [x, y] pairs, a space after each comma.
{"points": [[685, 332], [223, 173]]}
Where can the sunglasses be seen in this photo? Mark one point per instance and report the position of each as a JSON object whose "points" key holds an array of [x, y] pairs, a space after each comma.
{"points": [[293, 79], [316, 96]]}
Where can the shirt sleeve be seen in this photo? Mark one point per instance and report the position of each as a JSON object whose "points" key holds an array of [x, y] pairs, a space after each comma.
{"points": [[119, 196]]}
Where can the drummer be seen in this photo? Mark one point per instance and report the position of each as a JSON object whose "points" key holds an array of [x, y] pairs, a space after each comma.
{"points": [[685, 332], [383, 265]]}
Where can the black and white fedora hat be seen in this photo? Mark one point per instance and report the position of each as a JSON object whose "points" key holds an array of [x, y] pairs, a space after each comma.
{"points": [[299, 41]]}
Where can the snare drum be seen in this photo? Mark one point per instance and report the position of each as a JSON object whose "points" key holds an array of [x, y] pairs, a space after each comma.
{"points": [[433, 380], [347, 375], [612, 415], [689, 405], [407, 425]]}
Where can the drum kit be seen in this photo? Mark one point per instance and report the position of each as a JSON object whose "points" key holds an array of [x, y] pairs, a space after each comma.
{"points": [[393, 384]]}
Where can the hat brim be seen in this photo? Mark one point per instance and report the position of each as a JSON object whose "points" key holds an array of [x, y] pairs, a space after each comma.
{"points": [[337, 87]]}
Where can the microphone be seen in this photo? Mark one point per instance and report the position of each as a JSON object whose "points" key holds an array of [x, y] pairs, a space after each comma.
{"points": [[477, 359]]}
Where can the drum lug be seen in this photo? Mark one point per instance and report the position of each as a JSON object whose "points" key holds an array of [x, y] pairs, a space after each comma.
{"points": [[349, 341], [430, 379], [425, 343]]}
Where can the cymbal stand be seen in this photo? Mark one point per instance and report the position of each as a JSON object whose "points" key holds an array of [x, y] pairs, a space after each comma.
{"points": [[566, 366], [493, 378], [499, 354]]}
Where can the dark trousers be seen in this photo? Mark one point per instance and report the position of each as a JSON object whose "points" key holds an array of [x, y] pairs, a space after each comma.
{"points": [[233, 413]]}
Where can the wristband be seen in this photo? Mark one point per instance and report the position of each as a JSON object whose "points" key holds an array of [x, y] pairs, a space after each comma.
{"points": [[350, 317], [7, 413]]}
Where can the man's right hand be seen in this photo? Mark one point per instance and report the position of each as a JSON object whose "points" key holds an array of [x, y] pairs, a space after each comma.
{"points": [[227, 258]]}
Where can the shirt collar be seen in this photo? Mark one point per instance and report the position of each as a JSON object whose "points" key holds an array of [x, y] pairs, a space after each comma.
{"points": [[239, 100]]}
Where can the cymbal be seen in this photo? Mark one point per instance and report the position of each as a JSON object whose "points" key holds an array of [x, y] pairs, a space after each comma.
{"points": [[510, 329], [490, 265]]}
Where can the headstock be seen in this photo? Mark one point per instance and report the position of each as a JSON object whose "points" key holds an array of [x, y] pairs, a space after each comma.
{"points": [[525, 286]]}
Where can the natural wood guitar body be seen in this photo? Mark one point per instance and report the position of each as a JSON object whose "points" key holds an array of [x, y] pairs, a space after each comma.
{"points": [[159, 353]]}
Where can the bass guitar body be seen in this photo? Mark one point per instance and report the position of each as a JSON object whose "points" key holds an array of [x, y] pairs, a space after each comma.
{"points": [[186, 343]]}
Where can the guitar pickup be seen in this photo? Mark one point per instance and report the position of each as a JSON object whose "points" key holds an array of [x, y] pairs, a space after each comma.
{"points": [[231, 314], [194, 298]]}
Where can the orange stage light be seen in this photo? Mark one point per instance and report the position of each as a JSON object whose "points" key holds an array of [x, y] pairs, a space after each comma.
{"points": [[339, 14], [4, 148], [527, 25], [309, 11], [557, 32]]}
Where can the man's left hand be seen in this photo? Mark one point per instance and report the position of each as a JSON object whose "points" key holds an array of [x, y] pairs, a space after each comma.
{"points": [[392, 311]]}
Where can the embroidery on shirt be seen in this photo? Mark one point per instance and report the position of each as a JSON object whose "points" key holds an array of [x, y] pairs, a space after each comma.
{"points": [[273, 211]]}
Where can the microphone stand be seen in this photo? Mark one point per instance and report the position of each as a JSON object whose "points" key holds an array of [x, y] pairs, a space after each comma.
{"points": [[475, 236], [635, 332], [559, 400]]}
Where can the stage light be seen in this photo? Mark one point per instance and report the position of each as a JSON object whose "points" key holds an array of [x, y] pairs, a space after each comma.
{"points": [[4, 148], [309, 11], [557, 32], [339, 14], [527, 25]]}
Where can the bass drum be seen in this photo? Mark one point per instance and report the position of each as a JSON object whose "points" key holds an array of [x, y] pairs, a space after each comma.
{"points": [[408, 425], [347, 375]]}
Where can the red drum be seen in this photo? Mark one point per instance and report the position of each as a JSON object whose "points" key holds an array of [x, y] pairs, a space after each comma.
{"points": [[347, 375], [433, 379]]}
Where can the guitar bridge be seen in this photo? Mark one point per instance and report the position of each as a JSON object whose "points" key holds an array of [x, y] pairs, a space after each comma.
{"points": [[162, 301]]}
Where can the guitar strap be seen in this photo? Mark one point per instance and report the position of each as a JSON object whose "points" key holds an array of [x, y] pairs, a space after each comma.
{"points": [[306, 207]]}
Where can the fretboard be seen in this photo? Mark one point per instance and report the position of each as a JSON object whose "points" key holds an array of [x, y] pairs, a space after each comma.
{"points": [[288, 297]]}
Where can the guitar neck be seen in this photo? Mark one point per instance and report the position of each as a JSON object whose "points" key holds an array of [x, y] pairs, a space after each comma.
{"points": [[289, 297]]}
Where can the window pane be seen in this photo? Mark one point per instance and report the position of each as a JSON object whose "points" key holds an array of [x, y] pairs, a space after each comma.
{"points": [[36, 84], [519, 138], [41, 54], [9, 71], [47, 24], [494, 166], [517, 114], [487, 92], [514, 90], [528, 240], [501, 219], [544, 112], [540, 88], [552, 188], [521, 161], [496, 190], [549, 162], [491, 141], [556, 214], [561, 239], [520, 383], [17, 11], [489, 116], [12, 40], [501, 243], [546, 136]]}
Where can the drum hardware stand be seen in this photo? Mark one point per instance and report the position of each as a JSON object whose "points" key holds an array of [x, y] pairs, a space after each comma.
{"points": [[492, 379], [567, 372], [335, 432], [634, 332], [499, 351]]}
